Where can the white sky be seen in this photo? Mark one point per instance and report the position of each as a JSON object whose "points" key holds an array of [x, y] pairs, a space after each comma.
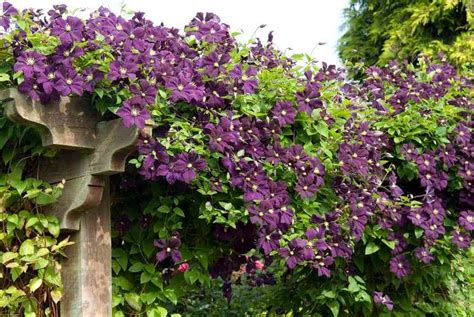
{"points": [[297, 24]]}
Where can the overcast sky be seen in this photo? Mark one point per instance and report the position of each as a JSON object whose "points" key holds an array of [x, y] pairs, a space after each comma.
{"points": [[297, 24]]}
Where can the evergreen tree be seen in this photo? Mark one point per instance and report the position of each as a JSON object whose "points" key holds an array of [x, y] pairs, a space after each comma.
{"points": [[377, 31]]}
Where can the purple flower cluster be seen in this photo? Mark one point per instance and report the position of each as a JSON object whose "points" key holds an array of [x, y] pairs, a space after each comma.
{"points": [[145, 58]]}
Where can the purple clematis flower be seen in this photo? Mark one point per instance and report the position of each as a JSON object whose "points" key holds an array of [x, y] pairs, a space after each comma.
{"points": [[268, 241], [69, 81], [244, 81], [169, 249], [424, 255], [294, 253], [8, 11], [187, 164], [68, 30], [123, 69], [184, 89], [284, 112], [57, 11], [307, 186], [316, 238], [144, 93], [381, 299], [466, 219], [400, 266], [322, 263], [32, 88], [30, 63], [460, 239], [133, 113]]}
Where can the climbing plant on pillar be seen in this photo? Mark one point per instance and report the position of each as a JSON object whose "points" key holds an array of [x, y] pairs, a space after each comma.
{"points": [[30, 246]]}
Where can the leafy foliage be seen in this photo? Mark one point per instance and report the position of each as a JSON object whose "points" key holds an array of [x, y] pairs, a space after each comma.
{"points": [[30, 248], [379, 31]]}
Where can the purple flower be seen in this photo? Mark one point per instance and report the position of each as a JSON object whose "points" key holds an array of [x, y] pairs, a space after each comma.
{"points": [[284, 112], [424, 255], [417, 216], [57, 11], [400, 242], [462, 134], [30, 63], [353, 158], [183, 88], [394, 189], [322, 263], [381, 299], [294, 253], [169, 249], [409, 152], [220, 140], [316, 238], [244, 81], [400, 266], [466, 219], [8, 11], [307, 186], [69, 81], [426, 164], [447, 155], [32, 88], [268, 241], [145, 93], [460, 239], [122, 224], [213, 63], [68, 30], [123, 69], [357, 222], [308, 100], [91, 77], [187, 164], [133, 113]]}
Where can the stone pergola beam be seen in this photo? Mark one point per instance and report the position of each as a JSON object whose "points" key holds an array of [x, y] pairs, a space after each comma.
{"points": [[90, 151]]}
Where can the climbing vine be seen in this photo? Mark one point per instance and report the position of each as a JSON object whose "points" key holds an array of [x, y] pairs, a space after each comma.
{"points": [[263, 170]]}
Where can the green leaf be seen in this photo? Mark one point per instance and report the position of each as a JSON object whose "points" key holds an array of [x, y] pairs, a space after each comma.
{"points": [[4, 77], [145, 277], [31, 222], [178, 211], [164, 209], [134, 301], [136, 267], [371, 248], [334, 307], [56, 295], [8, 256], [34, 284], [123, 283], [27, 247], [171, 295], [157, 312]]}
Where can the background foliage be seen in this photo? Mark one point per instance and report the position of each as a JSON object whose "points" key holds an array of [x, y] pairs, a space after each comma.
{"points": [[379, 31]]}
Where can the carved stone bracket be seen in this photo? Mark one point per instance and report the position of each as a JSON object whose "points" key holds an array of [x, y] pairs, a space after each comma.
{"points": [[89, 151]]}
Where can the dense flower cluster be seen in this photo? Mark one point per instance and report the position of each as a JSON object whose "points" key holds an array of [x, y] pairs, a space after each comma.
{"points": [[195, 86]]}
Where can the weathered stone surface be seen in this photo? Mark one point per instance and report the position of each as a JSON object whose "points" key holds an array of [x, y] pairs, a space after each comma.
{"points": [[68, 123]]}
